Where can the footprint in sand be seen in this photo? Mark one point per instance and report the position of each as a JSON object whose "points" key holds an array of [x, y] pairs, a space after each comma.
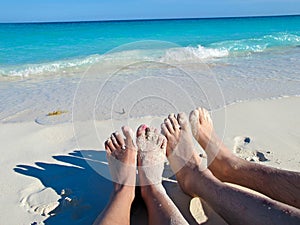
{"points": [[42, 202], [47, 203]]}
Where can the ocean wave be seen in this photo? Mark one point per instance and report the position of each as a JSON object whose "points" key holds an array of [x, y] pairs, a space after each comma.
{"points": [[232, 48], [79, 65], [172, 55], [192, 54], [260, 44], [50, 68]]}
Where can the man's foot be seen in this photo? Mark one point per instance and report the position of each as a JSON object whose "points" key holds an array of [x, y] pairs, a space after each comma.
{"points": [[121, 155], [220, 159], [183, 159]]}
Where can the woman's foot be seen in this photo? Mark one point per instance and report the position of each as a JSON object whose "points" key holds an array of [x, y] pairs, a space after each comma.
{"points": [[151, 156], [121, 155], [220, 159], [184, 160]]}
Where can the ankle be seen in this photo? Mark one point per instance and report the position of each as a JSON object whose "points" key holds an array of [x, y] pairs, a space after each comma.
{"points": [[186, 178], [128, 191], [225, 167], [150, 191]]}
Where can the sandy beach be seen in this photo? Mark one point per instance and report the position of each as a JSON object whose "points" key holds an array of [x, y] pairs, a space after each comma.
{"points": [[46, 178]]}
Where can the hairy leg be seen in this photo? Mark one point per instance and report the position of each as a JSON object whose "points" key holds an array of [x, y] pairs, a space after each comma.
{"points": [[280, 185], [234, 205], [121, 154], [151, 156]]}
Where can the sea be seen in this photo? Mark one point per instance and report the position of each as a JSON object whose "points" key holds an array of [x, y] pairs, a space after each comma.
{"points": [[47, 67]]}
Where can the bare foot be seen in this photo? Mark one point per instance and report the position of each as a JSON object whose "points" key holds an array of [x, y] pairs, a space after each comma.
{"points": [[121, 155], [151, 155], [220, 159], [183, 159]]}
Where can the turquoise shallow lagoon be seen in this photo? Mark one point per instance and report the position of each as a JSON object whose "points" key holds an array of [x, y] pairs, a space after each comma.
{"points": [[28, 49], [41, 64]]}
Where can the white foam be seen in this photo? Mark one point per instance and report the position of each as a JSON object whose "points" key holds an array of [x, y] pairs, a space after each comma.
{"points": [[193, 54], [49, 68]]}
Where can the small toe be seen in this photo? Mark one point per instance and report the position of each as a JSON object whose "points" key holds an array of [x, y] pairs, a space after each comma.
{"points": [[169, 126], [152, 130], [107, 148], [164, 130], [119, 139], [114, 141], [164, 143], [110, 145], [147, 131], [160, 139], [152, 134], [206, 114], [174, 121], [182, 120]]}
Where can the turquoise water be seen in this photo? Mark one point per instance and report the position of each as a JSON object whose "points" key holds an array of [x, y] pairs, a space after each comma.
{"points": [[41, 65], [29, 49]]}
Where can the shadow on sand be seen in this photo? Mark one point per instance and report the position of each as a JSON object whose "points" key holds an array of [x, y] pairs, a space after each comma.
{"points": [[89, 191]]}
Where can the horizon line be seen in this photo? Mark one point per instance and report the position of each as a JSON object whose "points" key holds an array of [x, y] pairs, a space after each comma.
{"points": [[149, 19]]}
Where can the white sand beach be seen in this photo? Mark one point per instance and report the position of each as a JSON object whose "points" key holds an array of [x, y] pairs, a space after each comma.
{"points": [[48, 177]]}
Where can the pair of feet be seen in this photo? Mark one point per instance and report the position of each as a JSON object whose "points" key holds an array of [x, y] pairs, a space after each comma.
{"points": [[151, 147]]}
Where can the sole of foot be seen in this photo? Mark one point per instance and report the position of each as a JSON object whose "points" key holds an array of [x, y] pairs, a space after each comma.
{"points": [[184, 160], [221, 160]]}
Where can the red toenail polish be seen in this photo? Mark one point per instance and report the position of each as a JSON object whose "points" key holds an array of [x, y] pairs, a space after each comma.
{"points": [[144, 127]]}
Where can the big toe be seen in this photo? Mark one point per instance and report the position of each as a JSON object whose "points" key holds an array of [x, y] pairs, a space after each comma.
{"points": [[141, 131], [195, 121]]}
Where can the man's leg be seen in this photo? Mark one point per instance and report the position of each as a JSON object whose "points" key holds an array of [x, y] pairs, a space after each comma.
{"points": [[280, 185], [151, 156], [234, 205], [121, 155]]}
